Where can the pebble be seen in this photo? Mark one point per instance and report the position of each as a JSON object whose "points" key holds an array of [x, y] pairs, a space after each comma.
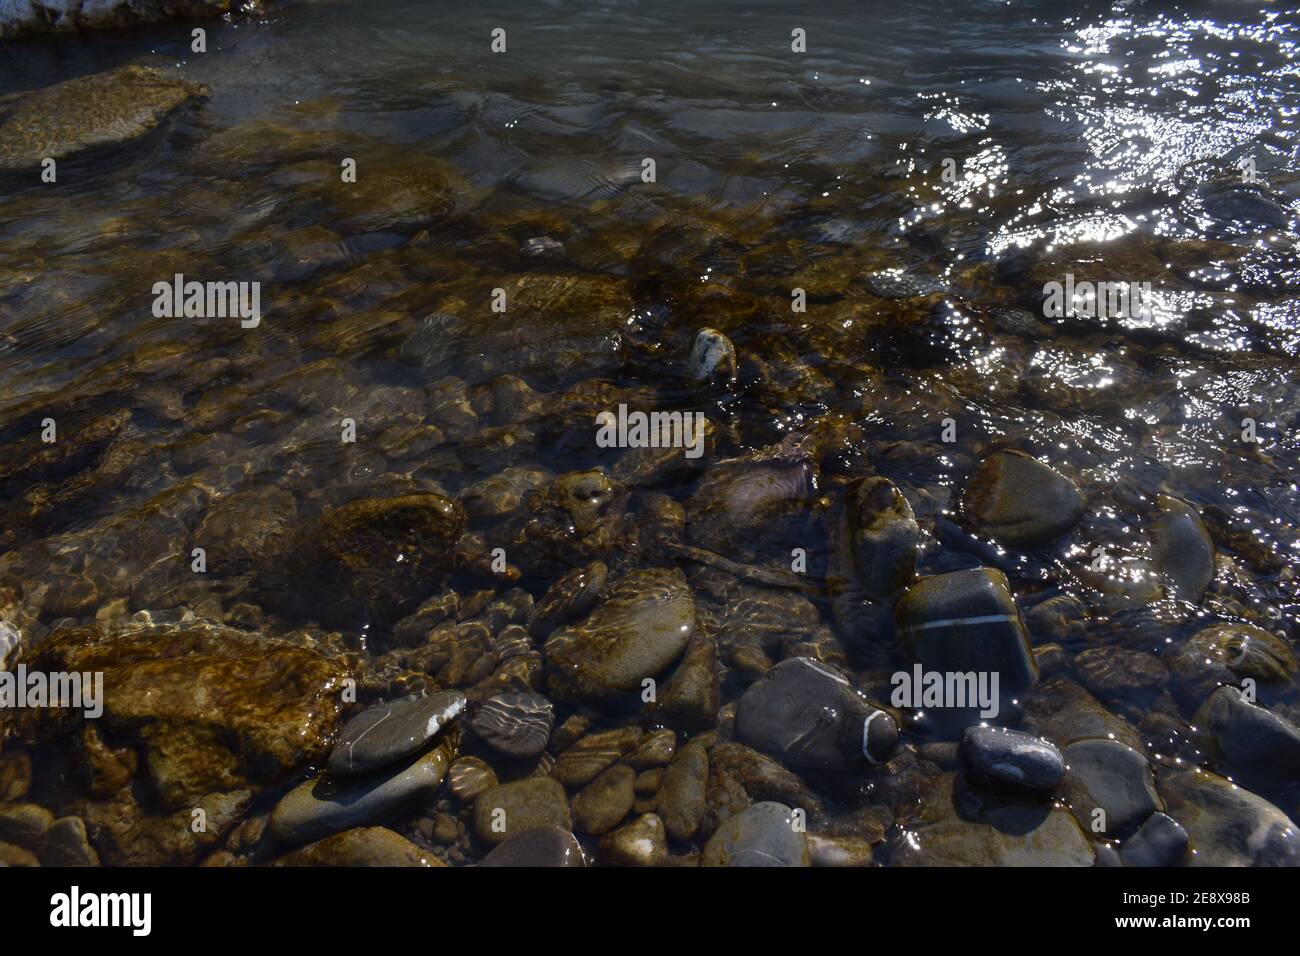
{"points": [[648, 782], [1019, 501], [763, 835], [1015, 757], [582, 762], [517, 725], [387, 732], [1182, 549], [1227, 824], [689, 699], [1120, 674], [363, 846], [680, 800], [513, 808], [712, 358], [1109, 775], [1251, 742], [540, 846], [1161, 841], [656, 749], [605, 802], [568, 599], [469, 777], [327, 804], [639, 843], [810, 716]]}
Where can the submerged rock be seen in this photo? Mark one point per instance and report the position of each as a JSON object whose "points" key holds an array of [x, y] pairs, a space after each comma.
{"points": [[102, 109], [1182, 549], [328, 804], [569, 598], [1229, 654], [1109, 776], [364, 846], [517, 725], [1161, 841], [1019, 501], [540, 846], [966, 622], [712, 358], [513, 808], [1228, 825], [1015, 757], [680, 799], [767, 834], [689, 699], [874, 554], [809, 716], [387, 732], [605, 802], [1250, 742], [641, 628], [640, 843]]}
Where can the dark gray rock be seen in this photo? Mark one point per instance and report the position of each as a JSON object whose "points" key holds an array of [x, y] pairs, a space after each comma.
{"points": [[387, 732], [1019, 501], [1228, 825], [763, 835], [1251, 742], [540, 846], [1013, 756], [1108, 775], [517, 725], [1161, 841]]}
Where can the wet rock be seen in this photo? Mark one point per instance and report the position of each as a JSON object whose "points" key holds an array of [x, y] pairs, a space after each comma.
{"points": [[328, 804], [15, 774], [1161, 841], [1019, 501], [570, 598], [1182, 549], [247, 530], [740, 776], [517, 725], [712, 358], [1110, 776], [967, 622], [1250, 742], [385, 733], [581, 762], [24, 824], [655, 749], [874, 555], [210, 709], [689, 699], [1015, 757], [810, 716], [1238, 209], [767, 834], [605, 802], [647, 782], [576, 518], [540, 846], [364, 846], [680, 801], [502, 493], [1117, 673], [1229, 654], [102, 109], [1227, 825], [510, 809], [396, 193], [16, 856], [640, 843], [1056, 619], [66, 844], [641, 628], [413, 630], [385, 555], [126, 834], [468, 778], [1064, 712]]}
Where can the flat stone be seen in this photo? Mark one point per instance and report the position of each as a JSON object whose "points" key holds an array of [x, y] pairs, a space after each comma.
{"points": [[364, 846], [517, 807], [605, 802], [517, 725], [327, 804], [1019, 501], [763, 835], [387, 732], [680, 800], [1015, 757], [1112, 776], [540, 846]]}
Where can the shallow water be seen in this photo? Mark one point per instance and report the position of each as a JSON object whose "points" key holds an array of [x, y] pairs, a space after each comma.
{"points": [[1098, 140]]}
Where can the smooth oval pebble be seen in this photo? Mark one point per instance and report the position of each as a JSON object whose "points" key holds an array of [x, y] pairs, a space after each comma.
{"points": [[763, 835], [387, 732], [540, 846], [518, 725], [1013, 756]]}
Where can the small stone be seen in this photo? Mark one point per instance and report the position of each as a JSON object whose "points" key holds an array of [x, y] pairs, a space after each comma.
{"points": [[570, 598], [1021, 502], [656, 749], [540, 846], [385, 733], [1228, 825], [66, 844], [541, 247], [517, 725], [1229, 654], [328, 804], [681, 795], [764, 835], [1182, 549], [712, 358], [24, 824], [517, 807], [1110, 776], [581, 763], [469, 777], [648, 782], [364, 846], [1161, 841], [1252, 743], [1015, 757], [1117, 673], [689, 699], [16, 856], [640, 843], [606, 801]]}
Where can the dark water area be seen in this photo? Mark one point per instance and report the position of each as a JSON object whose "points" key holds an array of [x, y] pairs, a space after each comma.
{"points": [[907, 457]]}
